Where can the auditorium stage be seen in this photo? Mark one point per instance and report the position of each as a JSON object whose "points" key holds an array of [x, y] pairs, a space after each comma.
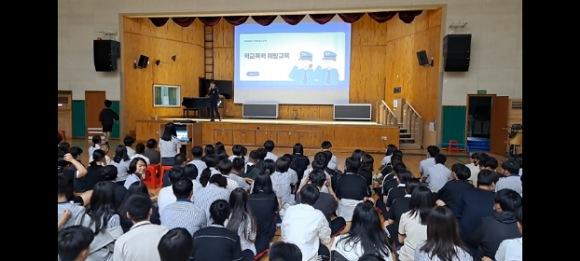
{"points": [[344, 135]]}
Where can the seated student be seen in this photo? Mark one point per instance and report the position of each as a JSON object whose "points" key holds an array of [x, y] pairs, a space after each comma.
{"points": [[282, 181], [390, 178], [264, 205], [425, 164], [351, 189], [242, 222], [136, 188], [95, 145], [366, 167], [225, 166], [139, 152], [216, 242], [236, 172], [169, 145], [474, 205], [216, 189], [438, 174], [501, 225], [64, 203], [413, 224], [136, 171], [183, 213], [306, 226], [269, 147], [364, 235], [398, 207], [319, 163], [254, 166], [403, 177], [299, 162], [237, 151], [94, 173], [451, 194], [388, 154], [73, 243], [175, 245], [119, 191], [140, 242], [511, 249], [128, 142], [212, 162], [197, 153], [509, 177], [443, 241], [327, 146], [166, 196], [488, 162], [151, 152], [121, 161], [282, 251], [473, 167]]}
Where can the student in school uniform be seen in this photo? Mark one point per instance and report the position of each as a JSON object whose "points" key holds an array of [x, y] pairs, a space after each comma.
{"points": [[438, 174], [425, 164], [452, 192]]}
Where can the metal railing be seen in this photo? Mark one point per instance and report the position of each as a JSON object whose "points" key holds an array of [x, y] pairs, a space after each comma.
{"points": [[386, 114], [413, 122]]}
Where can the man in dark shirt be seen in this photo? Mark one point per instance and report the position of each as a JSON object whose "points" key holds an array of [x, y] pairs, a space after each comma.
{"points": [[216, 242], [452, 192], [107, 117], [501, 225], [352, 185], [476, 204]]}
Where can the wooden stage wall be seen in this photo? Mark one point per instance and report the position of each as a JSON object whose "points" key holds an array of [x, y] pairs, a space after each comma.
{"points": [[383, 56], [343, 136]]}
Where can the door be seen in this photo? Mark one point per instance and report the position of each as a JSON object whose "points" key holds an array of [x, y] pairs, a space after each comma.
{"points": [[65, 112], [499, 125], [94, 103]]}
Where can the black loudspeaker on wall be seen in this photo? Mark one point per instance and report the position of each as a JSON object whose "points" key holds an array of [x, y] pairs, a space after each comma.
{"points": [[143, 61], [422, 58], [457, 49], [105, 54]]}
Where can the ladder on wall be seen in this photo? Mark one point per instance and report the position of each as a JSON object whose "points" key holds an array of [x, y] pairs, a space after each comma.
{"points": [[208, 51]]}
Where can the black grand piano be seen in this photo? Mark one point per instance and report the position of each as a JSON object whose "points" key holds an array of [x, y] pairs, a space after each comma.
{"points": [[198, 105]]}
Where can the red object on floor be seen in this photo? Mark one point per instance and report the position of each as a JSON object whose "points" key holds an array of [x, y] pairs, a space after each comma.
{"points": [[453, 146]]}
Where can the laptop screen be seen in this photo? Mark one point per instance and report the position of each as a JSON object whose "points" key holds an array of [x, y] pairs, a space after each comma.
{"points": [[182, 133]]}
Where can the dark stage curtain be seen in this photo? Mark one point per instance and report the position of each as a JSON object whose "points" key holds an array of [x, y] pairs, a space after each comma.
{"points": [[264, 19], [183, 21], [293, 19], [236, 20], [159, 21]]}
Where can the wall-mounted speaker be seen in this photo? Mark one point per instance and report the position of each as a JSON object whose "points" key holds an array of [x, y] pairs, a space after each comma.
{"points": [[260, 111], [422, 57], [105, 54], [457, 50], [353, 112], [142, 62]]}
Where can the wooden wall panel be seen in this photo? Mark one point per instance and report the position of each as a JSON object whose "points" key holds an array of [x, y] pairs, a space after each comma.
{"points": [[223, 35], [419, 94], [434, 17], [421, 22], [367, 77], [433, 101], [397, 29], [158, 43], [367, 31]]}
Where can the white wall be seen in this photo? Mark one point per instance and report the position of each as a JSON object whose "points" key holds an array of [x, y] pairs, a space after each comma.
{"points": [[495, 25]]}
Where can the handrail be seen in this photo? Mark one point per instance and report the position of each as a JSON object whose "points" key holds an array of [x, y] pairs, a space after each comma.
{"points": [[388, 108], [415, 111], [386, 115]]}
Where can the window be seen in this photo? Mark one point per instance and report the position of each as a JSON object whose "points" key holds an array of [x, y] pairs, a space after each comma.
{"points": [[166, 95]]}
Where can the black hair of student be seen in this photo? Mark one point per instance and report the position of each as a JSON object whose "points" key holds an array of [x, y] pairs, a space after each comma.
{"points": [[72, 241], [151, 143], [169, 132], [209, 150], [486, 177], [371, 257], [241, 214], [322, 157], [269, 145], [519, 215], [175, 245], [237, 150], [190, 171], [225, 166], [442, 234], [219, 180], [399, 167], [283, 164], [309, 194], [102, 206], [121, 154], [182, 188], [179, 158], [433, 150], [75, 151], [510, 165], [440, 158], [366, 162], [317, 177], [133, 164], [219, 211], [263, 183], [352, 164], [64, 147], [128, 140], [421, 202], [204, 178], [238, 164], [490, 162], [244, 150], [220, 147], [197, 151], [364, 230], [211, 161], [96, 139], [404, 176], [474, 155], [298, 149], [357, 154], [508, 200], [283, 251], [318, 164], [108, 103], [109, 173], [138, 206], [461, 171], [411, 185], [98, 155], [396, 159], [262, 153], [254, 155], [326, 145], [390, 149], [398, 153], [175, 174], [140, 148], [268, 166]]}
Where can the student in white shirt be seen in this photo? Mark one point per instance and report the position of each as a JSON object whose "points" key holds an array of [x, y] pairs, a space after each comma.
{"points": [[242, 222], [327, 146], [306, 226], [364, 236], [137, 169], [96, 140], [121, 162], [197, 153], [128, 141], [510, 178], [269, 146], [169, 145], [511, 249], [166, 195], [432, 151], [139, 150], [388, 154], [413, 227], [438, 174], [473, 167]]}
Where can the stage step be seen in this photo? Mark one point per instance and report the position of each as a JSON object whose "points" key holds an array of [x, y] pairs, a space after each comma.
{"points": [[409, 146]]}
